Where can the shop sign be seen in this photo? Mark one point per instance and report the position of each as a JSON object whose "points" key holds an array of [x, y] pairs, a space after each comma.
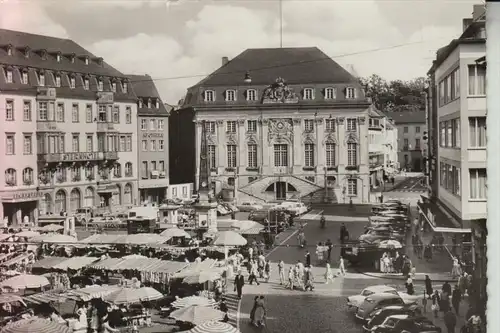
{"points": [[79, 156], [152, 135], [24, 196]]}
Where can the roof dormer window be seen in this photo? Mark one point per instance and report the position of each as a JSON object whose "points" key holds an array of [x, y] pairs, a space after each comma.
{"points": [[100, 85], [26, 52], [58, 80], [58, 57], [86, 59], [140, 103], [72, 58], [8, 75], [124, 87], [209, 96], [251, 95], [230, 95], [149, 103], [43, 54], [86, 83], [350, 93], [72, 82], [9, 50], [41, 79], [330, 93], [157, 103], [113, 87], [24, 76], [308, 93]]}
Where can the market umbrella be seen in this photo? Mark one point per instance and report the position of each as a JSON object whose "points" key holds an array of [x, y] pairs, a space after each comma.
{"points": [[193, 300], [229, 238], [133, 295], [175, 232], [51, 227], [11, 273], [25, 281], [202, 277], [35, 324], [197, 314], [214, 327], [28, 234], [55, 238], [245, 224], [135, 256], [10, 298], [390, 244]]}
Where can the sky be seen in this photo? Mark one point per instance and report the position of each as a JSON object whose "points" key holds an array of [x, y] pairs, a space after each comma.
{"points": [[178, 42]]}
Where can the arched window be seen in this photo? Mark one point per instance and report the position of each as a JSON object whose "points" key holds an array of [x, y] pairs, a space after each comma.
{"points": [[10, 177], [89, 197], [60, 201], [127, 194], [46, 205], [128, 169], [28, 176], [117, 170], [75, 199], [117, 196]]}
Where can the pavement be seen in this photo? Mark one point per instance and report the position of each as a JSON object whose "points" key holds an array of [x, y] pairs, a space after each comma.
{"points": [[324, 309]]}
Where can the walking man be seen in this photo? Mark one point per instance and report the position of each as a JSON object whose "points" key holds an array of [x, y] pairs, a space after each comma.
{"points": [[450, 320], [308, 259], [456, 297], [329, 246], [281, 271], [239, 282], [341, 266]]}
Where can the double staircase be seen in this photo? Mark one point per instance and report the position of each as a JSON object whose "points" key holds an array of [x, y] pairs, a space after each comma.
{"points": [[320, 196]]}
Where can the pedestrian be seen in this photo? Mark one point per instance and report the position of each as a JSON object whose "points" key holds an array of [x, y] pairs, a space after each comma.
{"points": [[260, 312], [267, 270], [328, 274], [300, 239], [262, 264], [456, 270], [428, 253], [291, 277], [424, 302], [320, 251], [253, 274], [446, 288], [252, 312], [413, 271], [410, 290], [475, 323], [436, 300], [250, 253], [309, 279], [456, 297], [308, 259], [428, 286], [450, 320], [239, 282], [462, 283], [329, 247], [281, 271], [343, 233], [341, 266]]}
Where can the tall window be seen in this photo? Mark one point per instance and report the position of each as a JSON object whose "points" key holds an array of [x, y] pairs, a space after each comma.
{"points": [[9, 110], [41, 79], [330, 125], [456, 78], [209, 96], [456, 132], [100, 85], [72, 82], [405, 129], [477, 80], [309, 125], [281, 155], [351, 124], [442, 134], [230, 95], [24, 77], [86, 84], [211, 157], [417, 144], [477, 132], [90, 143], [28, 145], [160, 124], [128, 169], [27, 111], [144, 145], [152, 124], [144, 169], [231, 156], [75, 113], [352, 154], [252, 155], [478, 179], [144, 124], [352, 187], [88, 113], [58, 81], [309, 154], [161, 166], [75, 143], [103, 113], [252, 126], [128, 115], [330, 155], [10, 145], [210, 126], [406, 144], [417, 129], [60, 112], [116, 114], [308, 93], [28, 176], [10, 177], [231, 126]]}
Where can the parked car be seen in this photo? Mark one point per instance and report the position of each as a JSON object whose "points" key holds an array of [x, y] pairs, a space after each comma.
{"points": [[406, 324], [375, 236], [249, 207], [375, 302], [356, 300], [377, 317], [259, 215], [294, 207]]}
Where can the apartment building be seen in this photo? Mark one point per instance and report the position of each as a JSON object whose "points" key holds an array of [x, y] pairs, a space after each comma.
{"points": [[68, 129], [457, 104], [152, 129]]}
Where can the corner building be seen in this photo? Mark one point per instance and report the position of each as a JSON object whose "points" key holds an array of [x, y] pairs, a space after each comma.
{"points": [[281, 123], [69, 129]]}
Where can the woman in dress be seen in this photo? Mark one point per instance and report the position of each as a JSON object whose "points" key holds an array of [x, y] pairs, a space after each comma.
{"points": [[428, 286], [252, 312], [328, 274], [260, 313], [456, 270], [319, 252], [383, 261], [436, 300]]}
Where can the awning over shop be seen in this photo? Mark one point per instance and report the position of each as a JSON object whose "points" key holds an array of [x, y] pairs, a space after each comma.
{"points": [[102, 239], [252, 231], [49, 262], [438, 219], [152, 265], [195, 267], [16, 260], [84, 294], [75, 263]]}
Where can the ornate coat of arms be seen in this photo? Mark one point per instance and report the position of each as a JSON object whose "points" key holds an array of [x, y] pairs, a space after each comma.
{"points": [[279, 92], [280, 130]]}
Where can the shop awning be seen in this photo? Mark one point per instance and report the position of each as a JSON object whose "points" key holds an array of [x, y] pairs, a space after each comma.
{"points": [[49, 262], [107, 263], [438, 219], [16, 260], [75, 263], [102, 239], [195, 267], [151, 265], [252, 231]]}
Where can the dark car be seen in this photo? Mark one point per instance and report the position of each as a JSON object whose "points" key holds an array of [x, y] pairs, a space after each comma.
{"points": [[375, 236], [259, 215], [377, 317], [406, 324]]}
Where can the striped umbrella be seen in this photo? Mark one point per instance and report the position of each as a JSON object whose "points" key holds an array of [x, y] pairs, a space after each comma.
{"points": [[201, 277], [214, 327], [197, 314], [193, 300], [25, 281], [38, 325], [133, 295]]}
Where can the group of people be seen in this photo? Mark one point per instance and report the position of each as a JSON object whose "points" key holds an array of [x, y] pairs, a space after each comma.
{"points": [[400, 264]]}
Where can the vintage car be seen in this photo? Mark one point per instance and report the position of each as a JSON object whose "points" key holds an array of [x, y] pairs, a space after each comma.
{"points": [[406, 324], [356, 300], [249, 207], [377, 317], [375, 302]]}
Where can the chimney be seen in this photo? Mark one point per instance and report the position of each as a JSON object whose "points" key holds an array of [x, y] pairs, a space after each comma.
{"points": [[465, 23], [225, 60]]}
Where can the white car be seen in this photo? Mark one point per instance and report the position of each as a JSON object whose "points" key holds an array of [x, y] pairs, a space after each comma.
{"points": [[249, 207], [297, 208], [356, 300]]}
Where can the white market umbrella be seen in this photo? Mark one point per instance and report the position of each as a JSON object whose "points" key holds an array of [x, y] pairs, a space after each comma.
{"points": [[175, 232], [55, 238], [201, 277], [193, 300], [197, 315], [389, 244], [135, 256], [25, 281], [35, 324], [229, 238], [28, 234], [133, 295], [214, 327], [51, 227]]}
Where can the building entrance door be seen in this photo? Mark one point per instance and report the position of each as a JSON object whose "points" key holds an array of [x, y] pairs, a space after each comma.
{"points": [[280, 191]]}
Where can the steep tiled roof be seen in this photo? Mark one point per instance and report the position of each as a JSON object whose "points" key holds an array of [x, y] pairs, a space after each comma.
{"points": [[415, 117], [300, 65], [145, 88]]}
